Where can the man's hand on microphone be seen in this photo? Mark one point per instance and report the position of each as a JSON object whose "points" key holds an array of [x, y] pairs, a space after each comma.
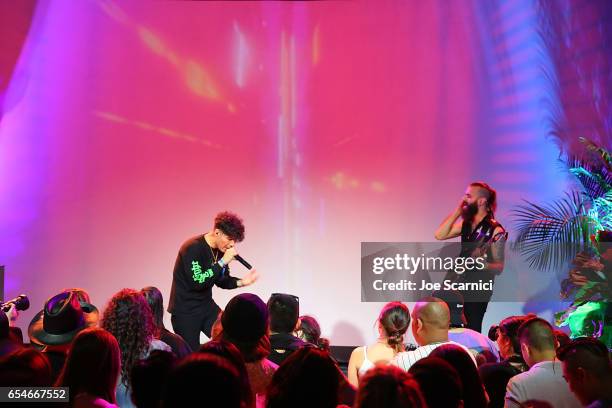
{"points": [[229, 255], [250, 278]]}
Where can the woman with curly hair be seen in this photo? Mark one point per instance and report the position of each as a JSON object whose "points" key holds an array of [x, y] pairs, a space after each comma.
{"points": [[127, 316], [393, 322]]}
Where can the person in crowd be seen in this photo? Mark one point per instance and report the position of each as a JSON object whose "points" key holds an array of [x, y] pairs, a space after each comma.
{"points": [[587, 368], [284, 310], [544, 381], [439, 382], [62, 318], [149, 376], [309, 330], [390, 387], [430, 325], [309, 377], [92, 369], [245, 324], [203, 380], [128, 317], [232, 354], [495, 376], [474, 394], [156, 303], [392, 323], [561, 337], [25, 367]]}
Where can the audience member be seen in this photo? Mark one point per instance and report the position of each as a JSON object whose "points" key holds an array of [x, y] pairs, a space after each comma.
{"points": [[127, 316], [474, 394], [392, 323], [203, 380], [25, 367], [439, 382], [284, 310], [149, 376], [156, 303], [92, 369], [544, 381], [562, 338], [495, 376], [390, 387], [308, 378], [232, 354], [62, 318], [588, 371], [310, 331], [430, 325], [245, 324]]}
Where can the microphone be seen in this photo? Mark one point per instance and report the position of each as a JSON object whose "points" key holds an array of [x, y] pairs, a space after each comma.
{"points": [[242, 261]]}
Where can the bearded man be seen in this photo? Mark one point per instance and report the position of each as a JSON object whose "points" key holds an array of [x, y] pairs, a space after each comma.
{"points": [[481, 236]]}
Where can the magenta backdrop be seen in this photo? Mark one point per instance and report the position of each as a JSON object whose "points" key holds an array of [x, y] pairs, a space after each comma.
{"points": [[127, 125]]}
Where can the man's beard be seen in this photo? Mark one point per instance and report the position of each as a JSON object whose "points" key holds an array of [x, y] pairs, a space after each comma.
{"points": [[468, 211]]}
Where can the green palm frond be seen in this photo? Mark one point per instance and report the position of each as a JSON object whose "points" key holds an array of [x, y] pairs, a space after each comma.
{"points": [[551, 235], [599, 151], [595, 180]]}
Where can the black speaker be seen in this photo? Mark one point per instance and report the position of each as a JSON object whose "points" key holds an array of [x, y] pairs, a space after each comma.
{"points": [[342, 354]]}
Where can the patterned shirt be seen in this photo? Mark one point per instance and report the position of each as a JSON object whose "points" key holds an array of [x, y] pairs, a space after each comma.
{"points": [[406, 359]]}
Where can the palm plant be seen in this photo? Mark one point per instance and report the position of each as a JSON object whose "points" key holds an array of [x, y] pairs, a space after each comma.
{"points": [[549, 236], [580, 104]]}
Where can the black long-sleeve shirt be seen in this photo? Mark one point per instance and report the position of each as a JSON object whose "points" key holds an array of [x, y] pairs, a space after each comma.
{"points": [[195, 273]]}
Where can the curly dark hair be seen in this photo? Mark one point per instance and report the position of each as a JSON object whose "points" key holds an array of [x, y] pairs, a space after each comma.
{"points": [[127, 316], [231, 225]]}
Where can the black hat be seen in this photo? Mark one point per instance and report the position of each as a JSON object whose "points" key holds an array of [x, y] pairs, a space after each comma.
{"points": [[245, 318], [61, 319]]}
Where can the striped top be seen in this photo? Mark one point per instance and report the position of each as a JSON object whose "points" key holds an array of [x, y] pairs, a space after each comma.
{"points": [[406, 359]]}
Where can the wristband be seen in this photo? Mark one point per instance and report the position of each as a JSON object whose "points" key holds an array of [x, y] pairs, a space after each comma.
{"points": [[221, 263]]}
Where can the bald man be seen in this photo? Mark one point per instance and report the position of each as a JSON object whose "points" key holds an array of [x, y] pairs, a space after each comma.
{"points": [[430, 325]]}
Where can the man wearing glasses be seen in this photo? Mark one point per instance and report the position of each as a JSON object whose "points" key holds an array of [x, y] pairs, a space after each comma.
{"points": [[203, 261]]}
